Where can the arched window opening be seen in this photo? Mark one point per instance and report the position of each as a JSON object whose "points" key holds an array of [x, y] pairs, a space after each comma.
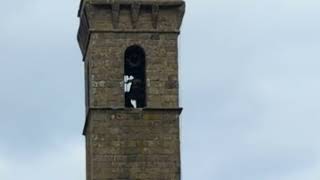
{"points": [[134, 77]]}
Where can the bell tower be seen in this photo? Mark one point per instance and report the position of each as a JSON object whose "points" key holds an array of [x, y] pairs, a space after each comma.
{"points": [[130, 54]]}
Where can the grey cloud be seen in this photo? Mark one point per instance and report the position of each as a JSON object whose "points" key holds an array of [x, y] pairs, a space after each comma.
{"points": [[249, 88]]}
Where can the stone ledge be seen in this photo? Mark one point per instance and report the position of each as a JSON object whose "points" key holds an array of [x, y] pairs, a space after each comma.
{"points": [[179, 110], [134, 109], [133, 31]]}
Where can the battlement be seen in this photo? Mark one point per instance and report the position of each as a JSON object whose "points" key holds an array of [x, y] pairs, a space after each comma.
{"points": [[129, 2], [125, 16]]}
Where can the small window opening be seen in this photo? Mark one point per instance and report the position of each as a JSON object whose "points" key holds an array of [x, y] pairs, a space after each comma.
{"points": [[134, 77]]}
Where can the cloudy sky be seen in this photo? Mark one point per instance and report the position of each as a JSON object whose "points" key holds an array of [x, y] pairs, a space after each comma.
{"points": [[249, 87]]}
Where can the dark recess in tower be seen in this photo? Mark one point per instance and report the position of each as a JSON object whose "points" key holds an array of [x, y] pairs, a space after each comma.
{"points": [[134, 77]]}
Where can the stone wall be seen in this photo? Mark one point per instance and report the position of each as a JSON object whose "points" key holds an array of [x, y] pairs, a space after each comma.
{"points": [[106, 61], [135, 144]]}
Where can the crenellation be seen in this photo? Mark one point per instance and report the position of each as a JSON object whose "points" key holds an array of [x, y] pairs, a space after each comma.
{"points": [[129, 16]]}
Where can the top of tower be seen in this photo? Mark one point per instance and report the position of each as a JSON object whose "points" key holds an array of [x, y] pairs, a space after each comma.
{"points": [[128, 2]]}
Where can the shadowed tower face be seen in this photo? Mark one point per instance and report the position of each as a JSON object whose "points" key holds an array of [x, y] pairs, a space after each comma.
{"points": [[132, 98]]}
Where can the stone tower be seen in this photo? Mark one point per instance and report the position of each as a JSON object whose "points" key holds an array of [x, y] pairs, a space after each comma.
{"points": [[130, 53]]}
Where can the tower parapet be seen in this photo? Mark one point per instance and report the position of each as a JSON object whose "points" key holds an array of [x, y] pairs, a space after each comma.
{"points": [[129, 16]]}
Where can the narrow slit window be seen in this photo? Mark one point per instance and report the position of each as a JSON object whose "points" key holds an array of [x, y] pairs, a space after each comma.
{"points": [[134, 77]]}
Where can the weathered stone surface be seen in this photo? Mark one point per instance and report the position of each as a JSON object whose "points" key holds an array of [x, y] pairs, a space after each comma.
{"points": [[124, 143], [106, 61], [135, 144]]}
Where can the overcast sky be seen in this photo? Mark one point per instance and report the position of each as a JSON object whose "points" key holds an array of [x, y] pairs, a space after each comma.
{"points": [[249, 87]]}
